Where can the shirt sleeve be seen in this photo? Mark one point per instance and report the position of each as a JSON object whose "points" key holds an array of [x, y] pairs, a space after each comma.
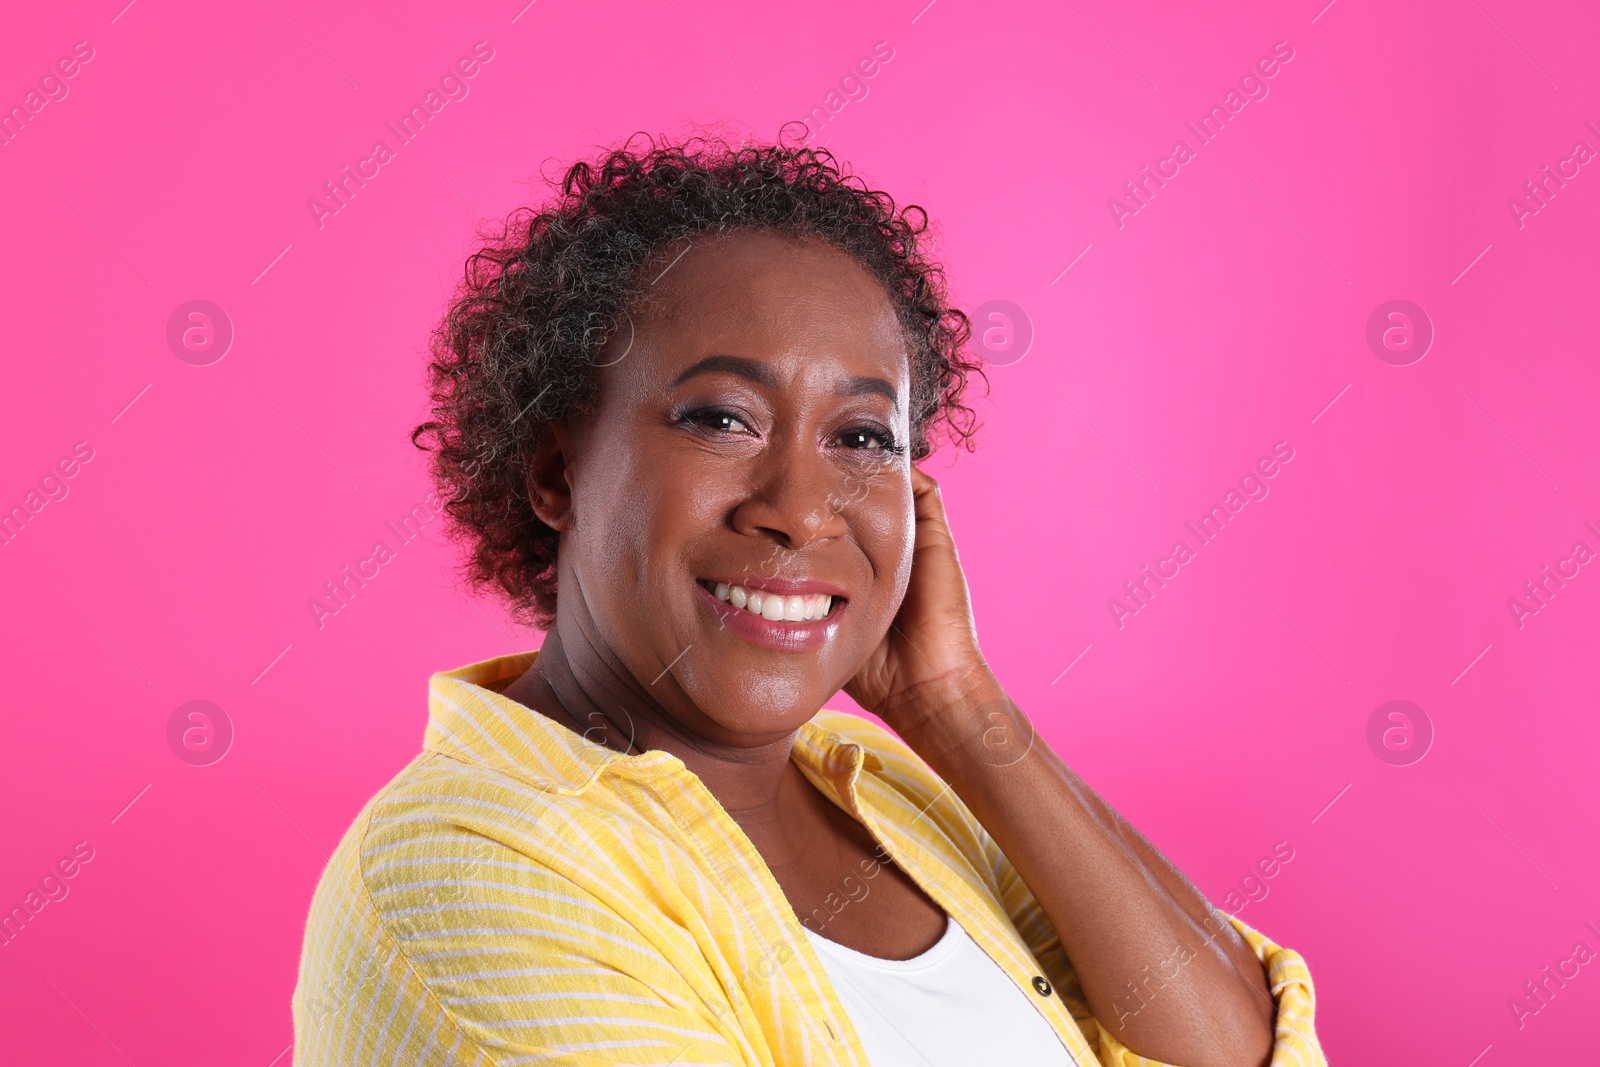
{"points": [[1295, 1041]]}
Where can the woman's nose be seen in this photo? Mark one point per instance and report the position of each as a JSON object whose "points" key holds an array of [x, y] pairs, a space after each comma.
{"points": [[797, 501]]}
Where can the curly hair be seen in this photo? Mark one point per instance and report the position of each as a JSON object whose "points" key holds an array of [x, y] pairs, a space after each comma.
{"points": [[516, 349]]}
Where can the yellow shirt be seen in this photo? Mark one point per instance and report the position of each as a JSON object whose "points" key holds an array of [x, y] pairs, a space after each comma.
{"points": [[520, 895]]}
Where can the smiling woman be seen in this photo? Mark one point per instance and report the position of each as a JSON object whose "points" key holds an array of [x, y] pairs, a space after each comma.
{"points": [[676, 417]]}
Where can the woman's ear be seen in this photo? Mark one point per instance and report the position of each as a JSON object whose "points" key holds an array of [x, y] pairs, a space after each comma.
{"points": [[549, 488]]}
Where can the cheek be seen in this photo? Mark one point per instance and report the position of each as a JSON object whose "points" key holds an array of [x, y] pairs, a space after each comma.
{"points": [[886, 526], [660, 518], [630, 510]]}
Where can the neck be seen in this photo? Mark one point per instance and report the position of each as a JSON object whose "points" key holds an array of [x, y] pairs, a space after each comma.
{"points": [[587, 690]]}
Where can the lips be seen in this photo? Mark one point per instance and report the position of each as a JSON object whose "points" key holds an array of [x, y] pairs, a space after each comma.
{"points": [[786, 615]]}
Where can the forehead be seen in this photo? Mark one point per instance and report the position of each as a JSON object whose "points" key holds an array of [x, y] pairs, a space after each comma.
{"points": [[765, 295]]}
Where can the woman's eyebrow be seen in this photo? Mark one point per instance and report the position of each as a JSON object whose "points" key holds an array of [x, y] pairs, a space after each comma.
{"points": [[762, 374], [753, 369]]}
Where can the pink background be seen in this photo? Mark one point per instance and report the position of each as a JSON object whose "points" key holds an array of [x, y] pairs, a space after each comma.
{"points": [[1226, 716]]}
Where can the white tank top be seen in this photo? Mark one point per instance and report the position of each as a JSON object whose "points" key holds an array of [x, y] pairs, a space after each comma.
{"points": [[952, 1006]]}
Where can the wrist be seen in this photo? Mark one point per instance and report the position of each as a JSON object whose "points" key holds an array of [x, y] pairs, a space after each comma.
{"points": [[957, 711]]}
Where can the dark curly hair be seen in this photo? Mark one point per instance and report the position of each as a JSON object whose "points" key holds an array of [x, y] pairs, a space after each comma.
{"points": [[515, 351]]}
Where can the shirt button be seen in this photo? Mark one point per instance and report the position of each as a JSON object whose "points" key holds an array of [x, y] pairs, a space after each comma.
{"points": [[1041, 985]]}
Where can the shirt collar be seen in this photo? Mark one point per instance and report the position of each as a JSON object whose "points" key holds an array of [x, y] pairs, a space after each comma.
{"points": [[469, 720]]}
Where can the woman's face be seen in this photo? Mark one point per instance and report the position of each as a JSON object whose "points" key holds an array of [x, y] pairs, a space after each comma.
{"points": [[742, 438]]}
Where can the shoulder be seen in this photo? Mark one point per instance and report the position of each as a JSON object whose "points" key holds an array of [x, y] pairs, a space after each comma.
{"points": [[454, 858], [448, 838], [441, 800], [454, 855], [438, 823], [459, 898]]}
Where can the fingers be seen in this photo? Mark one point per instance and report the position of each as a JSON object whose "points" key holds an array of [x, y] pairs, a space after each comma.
{"points": [[925, 494], [928, 504]]}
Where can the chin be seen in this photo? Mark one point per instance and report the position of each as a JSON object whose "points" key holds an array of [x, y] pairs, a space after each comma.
{"points": [[757, 701]]}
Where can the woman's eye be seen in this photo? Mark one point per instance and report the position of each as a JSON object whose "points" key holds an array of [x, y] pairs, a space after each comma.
{"points": [[868, 439], [720, 420]]}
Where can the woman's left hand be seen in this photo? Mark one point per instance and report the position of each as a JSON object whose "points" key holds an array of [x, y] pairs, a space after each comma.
{"points": [[1117, 903], [929, 659]]}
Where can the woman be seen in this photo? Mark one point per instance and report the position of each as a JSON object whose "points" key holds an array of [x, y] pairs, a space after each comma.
{"points": [[688, 395]]}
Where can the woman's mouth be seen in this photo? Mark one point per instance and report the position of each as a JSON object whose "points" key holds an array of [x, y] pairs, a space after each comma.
{"points": [[787, 622], [774, 607]]}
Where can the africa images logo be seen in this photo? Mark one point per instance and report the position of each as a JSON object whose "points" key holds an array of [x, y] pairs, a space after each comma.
{"points": [[1253, 486], [1252, 87], [453, 85]]}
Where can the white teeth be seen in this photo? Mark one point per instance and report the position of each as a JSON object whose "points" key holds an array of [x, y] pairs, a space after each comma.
{"points": [[802, 608]]}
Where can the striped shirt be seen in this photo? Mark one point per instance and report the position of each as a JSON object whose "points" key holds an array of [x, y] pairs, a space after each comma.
{"points": [[520, 895]]}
